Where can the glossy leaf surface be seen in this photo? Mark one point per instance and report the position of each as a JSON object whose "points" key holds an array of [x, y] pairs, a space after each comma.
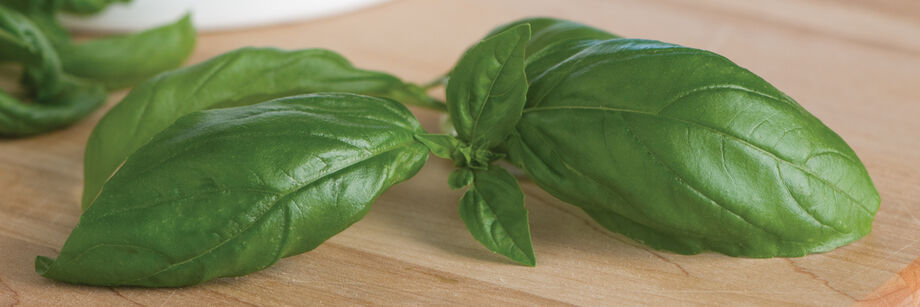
{"points": [[493, 211], [683, 150], [228, 192], [487, 88], [240, 77]]}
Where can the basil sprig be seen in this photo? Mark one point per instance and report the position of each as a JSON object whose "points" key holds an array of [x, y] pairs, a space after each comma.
{"points": [[222, 168], [60, 99], [485, 96], [64, 80]]}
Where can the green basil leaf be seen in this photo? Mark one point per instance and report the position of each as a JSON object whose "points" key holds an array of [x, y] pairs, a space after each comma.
{"points": [[43, 14], [241, 77], [460, 178], [487, 88], [118, 61], [72, 103], [683, 150], [493, 210], [548, 31], [228, 192], [123, 61], [23, 42]]}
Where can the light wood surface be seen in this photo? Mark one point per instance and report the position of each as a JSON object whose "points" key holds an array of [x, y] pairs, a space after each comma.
{"points": [[854, 64]]}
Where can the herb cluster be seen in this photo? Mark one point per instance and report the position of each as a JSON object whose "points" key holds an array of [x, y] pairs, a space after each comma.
{"points": [[222, 168], [66, 80]]}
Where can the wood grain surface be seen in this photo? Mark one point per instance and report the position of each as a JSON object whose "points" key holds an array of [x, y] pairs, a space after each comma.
{"points": [[854, 64]]}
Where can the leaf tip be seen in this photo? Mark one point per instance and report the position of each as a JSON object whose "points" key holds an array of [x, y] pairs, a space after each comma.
{"points": [[523, 29], [42, 264], [530, 261]]}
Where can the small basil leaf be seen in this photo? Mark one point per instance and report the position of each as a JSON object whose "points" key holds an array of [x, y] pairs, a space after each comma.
{"points": [[684, 150], [73, 102], [441, 145], [548, 31], [487, 88], [493, 210], [460, 178], [241, 77], [122, 61], [228, 192]]}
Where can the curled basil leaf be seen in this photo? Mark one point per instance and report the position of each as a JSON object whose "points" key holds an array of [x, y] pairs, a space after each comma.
{"points": [[72, 102], [123, 61], [119, 61], [63, 79], [493, 211], [683, 150], [228, 192], [241, 77], [42, 14], [487, 88], [21, 41], [58, 100]]}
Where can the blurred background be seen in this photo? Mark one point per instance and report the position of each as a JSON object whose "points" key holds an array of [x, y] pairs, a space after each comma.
{"points": [[210, 15]]}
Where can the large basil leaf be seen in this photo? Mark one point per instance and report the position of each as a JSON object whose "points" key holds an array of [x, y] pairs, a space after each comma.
{"points": [[493, 210], [683, 150], [487, 88], [227, 192], [122, 61], [241, 77]]}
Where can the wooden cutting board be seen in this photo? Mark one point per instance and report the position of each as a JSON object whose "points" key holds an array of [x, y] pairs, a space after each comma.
{"points": [[853, 64]]}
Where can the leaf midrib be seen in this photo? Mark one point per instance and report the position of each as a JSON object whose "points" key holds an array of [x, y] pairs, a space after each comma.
{"points": [[488, 95], [726, 135]]}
